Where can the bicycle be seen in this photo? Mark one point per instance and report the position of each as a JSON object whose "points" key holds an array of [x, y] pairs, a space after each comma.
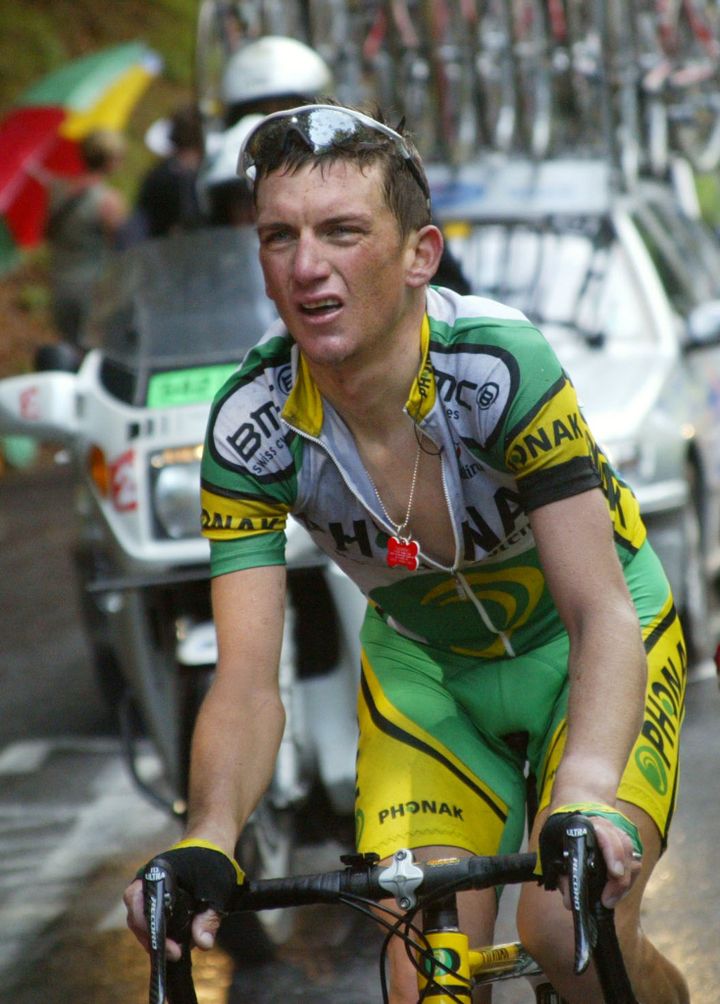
{"points": [[447, 967], [679, 56], [495, 70], [397, 56]]}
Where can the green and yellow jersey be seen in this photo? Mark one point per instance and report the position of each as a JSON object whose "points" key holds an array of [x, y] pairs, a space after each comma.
{"points": [[494, 399]]}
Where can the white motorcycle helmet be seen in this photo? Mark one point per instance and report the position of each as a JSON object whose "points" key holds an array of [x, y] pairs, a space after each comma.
{"points": [[272, 67]]}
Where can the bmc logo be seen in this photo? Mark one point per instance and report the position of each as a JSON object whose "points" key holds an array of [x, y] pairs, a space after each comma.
{"points": [[487, 395]]}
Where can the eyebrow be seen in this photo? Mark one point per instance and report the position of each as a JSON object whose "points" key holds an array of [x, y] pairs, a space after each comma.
{"points": [[363, 217]]}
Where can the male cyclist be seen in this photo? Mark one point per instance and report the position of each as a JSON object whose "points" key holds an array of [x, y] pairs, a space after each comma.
{"points": [[433, 446]]}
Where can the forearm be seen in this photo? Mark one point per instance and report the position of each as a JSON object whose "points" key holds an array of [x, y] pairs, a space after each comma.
{"points": [[241, 721], [234, 748], [607, 671]]}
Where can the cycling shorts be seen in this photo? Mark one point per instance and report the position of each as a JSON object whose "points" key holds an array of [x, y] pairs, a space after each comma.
{"points": [[438, 757]]}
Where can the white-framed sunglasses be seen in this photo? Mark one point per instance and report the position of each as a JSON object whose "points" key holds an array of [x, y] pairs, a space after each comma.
{"points": [[323, 128]]}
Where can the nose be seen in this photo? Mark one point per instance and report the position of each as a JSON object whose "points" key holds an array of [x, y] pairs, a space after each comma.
{"points": [[310, 262]]}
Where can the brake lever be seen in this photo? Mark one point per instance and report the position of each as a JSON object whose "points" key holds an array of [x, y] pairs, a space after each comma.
{"points": [[584, 867], [168, 913], [569, 847]]}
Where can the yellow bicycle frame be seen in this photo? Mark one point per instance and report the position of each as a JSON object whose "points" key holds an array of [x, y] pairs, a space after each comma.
{"points": [[458, 967]]}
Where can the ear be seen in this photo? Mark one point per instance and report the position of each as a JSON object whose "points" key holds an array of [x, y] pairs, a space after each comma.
{"points": [[426, 247]]}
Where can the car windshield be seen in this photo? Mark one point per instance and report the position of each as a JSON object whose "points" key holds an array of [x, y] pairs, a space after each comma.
{"points": [[571, 277], [178, 303]]}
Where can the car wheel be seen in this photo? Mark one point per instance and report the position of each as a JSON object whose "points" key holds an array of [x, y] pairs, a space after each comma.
{"points": [[695, 607]]}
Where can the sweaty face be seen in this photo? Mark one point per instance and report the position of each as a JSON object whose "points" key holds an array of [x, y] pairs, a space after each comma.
{"points": [[333, 259]]}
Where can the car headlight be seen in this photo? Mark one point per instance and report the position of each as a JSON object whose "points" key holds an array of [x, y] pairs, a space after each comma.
{"points": [[175, 481]]}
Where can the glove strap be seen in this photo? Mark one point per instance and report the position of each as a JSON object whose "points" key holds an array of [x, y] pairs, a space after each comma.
{"points": [[616, 817], [208, 845]]}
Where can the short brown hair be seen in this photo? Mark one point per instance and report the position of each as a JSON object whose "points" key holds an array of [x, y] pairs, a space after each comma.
{"points": [[402, 193]]}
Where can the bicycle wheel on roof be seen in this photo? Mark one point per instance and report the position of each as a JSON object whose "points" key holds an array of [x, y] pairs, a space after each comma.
{"points": [[533, 75], [693, 85], [495, 75], [450, 31], [622, 89]]}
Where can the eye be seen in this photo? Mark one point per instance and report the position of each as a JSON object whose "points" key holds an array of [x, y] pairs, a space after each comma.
{"points": [[278, 235], [343, 231]]}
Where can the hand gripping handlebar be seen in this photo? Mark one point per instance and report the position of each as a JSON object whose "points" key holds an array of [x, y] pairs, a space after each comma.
{"points": [[169, 911], [573, 851]]}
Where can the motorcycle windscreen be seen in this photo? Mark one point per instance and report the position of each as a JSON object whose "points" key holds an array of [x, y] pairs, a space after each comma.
{"points": [[174, 316]]}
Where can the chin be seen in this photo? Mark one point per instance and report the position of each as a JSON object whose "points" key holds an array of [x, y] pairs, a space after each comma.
{"points": [[321, 347]]}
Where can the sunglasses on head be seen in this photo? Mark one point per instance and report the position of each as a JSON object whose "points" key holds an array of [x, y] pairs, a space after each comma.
{"points": [[323, 128]]}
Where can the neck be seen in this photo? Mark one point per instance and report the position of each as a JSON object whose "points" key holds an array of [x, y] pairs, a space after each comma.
{"points": [[369, 395]]}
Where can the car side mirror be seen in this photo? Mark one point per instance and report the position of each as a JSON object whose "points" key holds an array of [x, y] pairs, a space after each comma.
{"points": [[703, 325]]}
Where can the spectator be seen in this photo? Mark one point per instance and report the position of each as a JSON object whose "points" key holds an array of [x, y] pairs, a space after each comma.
{"points": [[84, 218], [168, 201]]}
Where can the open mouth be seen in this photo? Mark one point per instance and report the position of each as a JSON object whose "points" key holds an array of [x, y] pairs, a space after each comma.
{"points": [[320, 307]]}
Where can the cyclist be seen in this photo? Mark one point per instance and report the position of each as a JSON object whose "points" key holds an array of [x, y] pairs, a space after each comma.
{"points": [[434, 448]]}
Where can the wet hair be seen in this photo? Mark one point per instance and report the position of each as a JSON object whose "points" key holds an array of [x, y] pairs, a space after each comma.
{"points": [[401, 191], [102, 148]]}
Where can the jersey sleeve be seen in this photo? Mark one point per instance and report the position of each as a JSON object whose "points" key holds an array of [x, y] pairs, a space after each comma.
{"points": [[248, 474], [547, 443]]}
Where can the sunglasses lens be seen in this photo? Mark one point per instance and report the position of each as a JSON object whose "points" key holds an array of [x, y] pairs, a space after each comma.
{"points": [[322, 129], [325, 129]]}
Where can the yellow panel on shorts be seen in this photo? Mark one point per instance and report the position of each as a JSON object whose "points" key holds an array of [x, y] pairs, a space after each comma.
{"points": [[413, 791], [651, 777]]}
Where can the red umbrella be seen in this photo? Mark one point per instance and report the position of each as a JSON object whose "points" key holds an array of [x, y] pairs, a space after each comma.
{"points": [[44, 126]]}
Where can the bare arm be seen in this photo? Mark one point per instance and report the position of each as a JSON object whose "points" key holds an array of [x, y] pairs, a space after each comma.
{"points": [[113, 211], [241, 721], [239, 728], [607, 666]]}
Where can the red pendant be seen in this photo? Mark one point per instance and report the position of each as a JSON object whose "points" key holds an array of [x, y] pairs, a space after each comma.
{"points": [[402, 552]]}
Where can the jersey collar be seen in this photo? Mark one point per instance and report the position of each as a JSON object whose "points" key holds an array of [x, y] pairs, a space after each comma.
{"points": [[304, 407]]}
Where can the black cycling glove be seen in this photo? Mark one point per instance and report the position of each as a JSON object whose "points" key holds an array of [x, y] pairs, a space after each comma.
{"points": [[205, 872]]}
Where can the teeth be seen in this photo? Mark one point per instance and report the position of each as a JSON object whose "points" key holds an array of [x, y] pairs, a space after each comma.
{"points": [[321, 304]]}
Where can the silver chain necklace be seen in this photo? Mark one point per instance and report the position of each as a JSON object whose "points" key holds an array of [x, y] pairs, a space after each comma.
{"points": [[399, 527], [402, 550]]}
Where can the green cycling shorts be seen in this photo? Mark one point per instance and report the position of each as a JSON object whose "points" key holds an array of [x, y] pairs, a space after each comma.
{"points": [[438, 757]]}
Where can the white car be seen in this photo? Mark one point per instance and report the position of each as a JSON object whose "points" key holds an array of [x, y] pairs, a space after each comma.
{"points": [[626, 287]]}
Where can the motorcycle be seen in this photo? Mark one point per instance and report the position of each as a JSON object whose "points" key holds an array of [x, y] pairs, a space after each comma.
{"points": [[172, 319]]}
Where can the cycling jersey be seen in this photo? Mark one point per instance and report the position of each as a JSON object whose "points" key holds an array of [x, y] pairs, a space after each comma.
{"points": [[494, 399]]}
